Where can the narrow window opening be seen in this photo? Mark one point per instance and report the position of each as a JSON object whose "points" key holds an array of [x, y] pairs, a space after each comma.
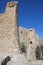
{"points": [[30, 42]]}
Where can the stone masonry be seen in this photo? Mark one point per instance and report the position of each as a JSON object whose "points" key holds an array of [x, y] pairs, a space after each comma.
{"points": [[9, 29], [11, 35], [29, 38]]}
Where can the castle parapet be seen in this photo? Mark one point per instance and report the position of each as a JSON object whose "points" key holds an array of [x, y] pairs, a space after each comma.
{"points": [[12, 4]]}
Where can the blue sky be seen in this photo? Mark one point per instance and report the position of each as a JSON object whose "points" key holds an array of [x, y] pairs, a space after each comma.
{"points": [[30, 14]]}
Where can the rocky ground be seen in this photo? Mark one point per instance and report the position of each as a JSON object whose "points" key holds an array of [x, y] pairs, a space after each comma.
{"points": [[19, 59]]}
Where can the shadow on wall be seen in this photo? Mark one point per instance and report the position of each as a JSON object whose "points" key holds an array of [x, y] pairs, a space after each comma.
{"points": [[39, 52]]}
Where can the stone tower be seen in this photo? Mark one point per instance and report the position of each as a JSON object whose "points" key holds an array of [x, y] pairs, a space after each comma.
{"points": [[33, 42], [33, 38], [9, 36]]}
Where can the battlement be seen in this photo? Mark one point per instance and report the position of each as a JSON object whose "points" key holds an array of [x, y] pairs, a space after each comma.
{"points": [[12, 3]]}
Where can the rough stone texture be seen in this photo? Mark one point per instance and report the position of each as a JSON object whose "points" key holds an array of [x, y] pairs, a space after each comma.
{"points": [[33, 40], [16, 59], [19, 59], [24, 62], [10, 35], [9, 29], [23, 32], [41, 42], [31, 53], [29, 36]]}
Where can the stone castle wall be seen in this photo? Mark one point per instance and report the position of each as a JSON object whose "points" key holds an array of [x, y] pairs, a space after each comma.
{"points": [[10, 34], [30, 39], [9, 29], [27, 36]]}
